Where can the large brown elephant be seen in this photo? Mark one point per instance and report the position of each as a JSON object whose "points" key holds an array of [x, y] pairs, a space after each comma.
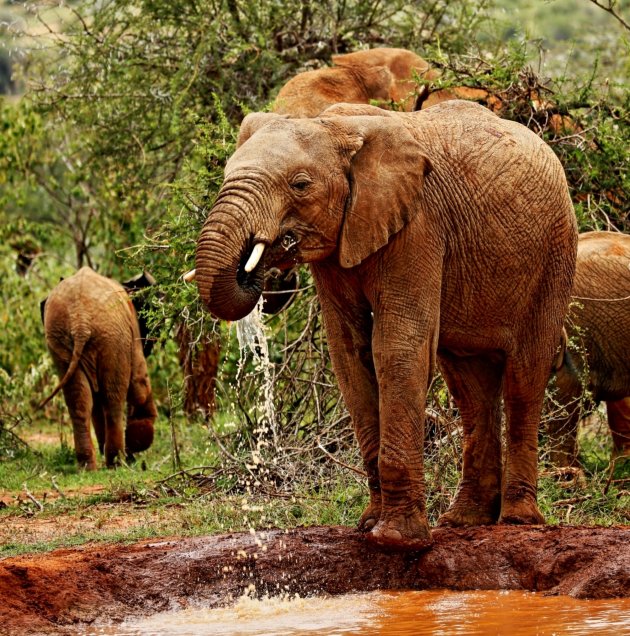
{"points": [[383, 74], [599, 323], [93, 336], [444, 233]]}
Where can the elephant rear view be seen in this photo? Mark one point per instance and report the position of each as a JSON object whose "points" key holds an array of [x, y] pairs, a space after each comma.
{"points": [[93, 336]]}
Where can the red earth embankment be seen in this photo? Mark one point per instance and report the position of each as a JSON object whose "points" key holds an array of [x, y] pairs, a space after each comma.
{"points": [[57, 592]]}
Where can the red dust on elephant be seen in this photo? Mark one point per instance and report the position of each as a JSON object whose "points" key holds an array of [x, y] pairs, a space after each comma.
{"points": [[443, 234]]}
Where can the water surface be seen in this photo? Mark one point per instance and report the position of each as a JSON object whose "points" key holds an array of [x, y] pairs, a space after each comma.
{"points": [[438, 613]]}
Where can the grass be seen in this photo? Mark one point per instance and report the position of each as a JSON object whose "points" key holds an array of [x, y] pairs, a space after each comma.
{"points": [[49, 503]]}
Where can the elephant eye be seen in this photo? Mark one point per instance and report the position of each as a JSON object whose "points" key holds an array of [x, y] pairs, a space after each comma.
{"points": [[300, 184]]}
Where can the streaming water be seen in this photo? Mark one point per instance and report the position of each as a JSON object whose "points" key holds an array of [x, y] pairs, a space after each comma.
{"points": [[252, 339], [439, 613]]}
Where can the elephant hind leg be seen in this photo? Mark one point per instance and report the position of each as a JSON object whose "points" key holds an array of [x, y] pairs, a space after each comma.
{"points": [[114, 433], [619, 423], [79, 400], [475, 383], [524, 394]]}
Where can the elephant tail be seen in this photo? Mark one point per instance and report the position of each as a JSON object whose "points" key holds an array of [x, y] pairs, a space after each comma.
{"points": [[79, 343]]}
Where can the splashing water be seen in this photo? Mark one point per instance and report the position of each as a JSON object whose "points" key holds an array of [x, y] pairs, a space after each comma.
{"points": [[427, 613], [252, 338]]}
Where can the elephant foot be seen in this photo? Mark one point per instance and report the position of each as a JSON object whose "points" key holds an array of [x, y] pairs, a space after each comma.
{"points": [[401, 534], [521, 512], [87, 463], [371, 514], [456, 518], [468, 510]]}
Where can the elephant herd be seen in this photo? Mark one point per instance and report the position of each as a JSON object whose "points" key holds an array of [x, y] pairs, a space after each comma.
{"points": [[444, 236]]}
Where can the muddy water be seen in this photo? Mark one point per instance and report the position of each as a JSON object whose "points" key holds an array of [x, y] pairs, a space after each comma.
{"points": [[439, 613]]}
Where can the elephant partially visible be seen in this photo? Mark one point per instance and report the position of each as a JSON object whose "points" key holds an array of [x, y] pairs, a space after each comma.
{"points": [[383, 74], [599, 324], [93, 336], [447, 233]]}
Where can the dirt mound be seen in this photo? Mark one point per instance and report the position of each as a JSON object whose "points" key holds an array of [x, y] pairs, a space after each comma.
{"points": [[56, 593]]}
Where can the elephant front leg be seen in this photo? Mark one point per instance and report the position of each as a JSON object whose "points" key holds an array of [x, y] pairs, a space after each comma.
{"points": [[348, 330], [403, 372], [141, 412]]}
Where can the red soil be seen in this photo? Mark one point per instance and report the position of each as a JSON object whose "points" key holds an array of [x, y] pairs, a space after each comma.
{"points": [[58, 592]]}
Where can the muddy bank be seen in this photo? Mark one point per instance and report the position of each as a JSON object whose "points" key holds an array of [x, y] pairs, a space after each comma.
{"points": [[59, 591]]}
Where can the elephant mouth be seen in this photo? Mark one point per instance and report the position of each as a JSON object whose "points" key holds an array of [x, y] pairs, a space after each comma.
{"points": [[249, 277], [284, 252]]}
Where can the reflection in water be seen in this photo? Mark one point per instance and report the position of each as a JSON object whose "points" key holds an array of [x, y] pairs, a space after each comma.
{"points": [[439, 613]]}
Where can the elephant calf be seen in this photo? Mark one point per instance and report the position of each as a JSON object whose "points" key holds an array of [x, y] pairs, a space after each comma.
{"points": [[599, 321], [93, 336]]}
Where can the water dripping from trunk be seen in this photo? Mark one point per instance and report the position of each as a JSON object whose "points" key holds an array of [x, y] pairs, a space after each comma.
{"points": [[252, 339]]}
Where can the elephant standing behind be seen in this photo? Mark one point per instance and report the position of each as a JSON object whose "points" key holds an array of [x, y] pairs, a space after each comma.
{"points": [[599, 322], [93, 336], [381, 74], [447, 233]]}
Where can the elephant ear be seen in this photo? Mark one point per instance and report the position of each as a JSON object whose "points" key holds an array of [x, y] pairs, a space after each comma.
{"points": [[254, 122], [386, 176]]}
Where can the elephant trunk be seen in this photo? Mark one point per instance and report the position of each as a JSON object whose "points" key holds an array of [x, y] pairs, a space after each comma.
{"points": [[230, 280]]}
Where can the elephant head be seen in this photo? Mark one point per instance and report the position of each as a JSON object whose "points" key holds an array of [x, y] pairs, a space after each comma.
{"points": [[299, 191]]}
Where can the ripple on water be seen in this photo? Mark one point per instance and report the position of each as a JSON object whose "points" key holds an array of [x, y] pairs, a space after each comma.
{"points": [[438, 613]]}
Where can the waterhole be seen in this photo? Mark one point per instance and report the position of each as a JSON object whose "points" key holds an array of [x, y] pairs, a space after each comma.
{"points": [[439, 613]]}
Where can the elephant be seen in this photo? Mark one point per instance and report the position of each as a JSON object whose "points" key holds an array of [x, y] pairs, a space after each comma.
{"points": [[446, 234], [93, 336], [382, 74], [598, 323]]}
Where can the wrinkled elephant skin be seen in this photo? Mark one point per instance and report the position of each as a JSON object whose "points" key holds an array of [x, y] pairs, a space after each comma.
{"points": [[446, 233], [93, 336], [599, 325]]}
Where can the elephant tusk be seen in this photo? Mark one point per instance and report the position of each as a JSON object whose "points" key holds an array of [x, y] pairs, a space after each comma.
{"points": [[190, 276], [257, 252]]}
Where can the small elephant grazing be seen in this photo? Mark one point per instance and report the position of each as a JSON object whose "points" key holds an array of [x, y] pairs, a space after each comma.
{"points": [[447, 233], [357, 78], [599, 321], [93, 336]]}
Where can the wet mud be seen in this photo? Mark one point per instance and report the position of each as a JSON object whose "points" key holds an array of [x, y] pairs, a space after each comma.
{"points": [[58, 592]]}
